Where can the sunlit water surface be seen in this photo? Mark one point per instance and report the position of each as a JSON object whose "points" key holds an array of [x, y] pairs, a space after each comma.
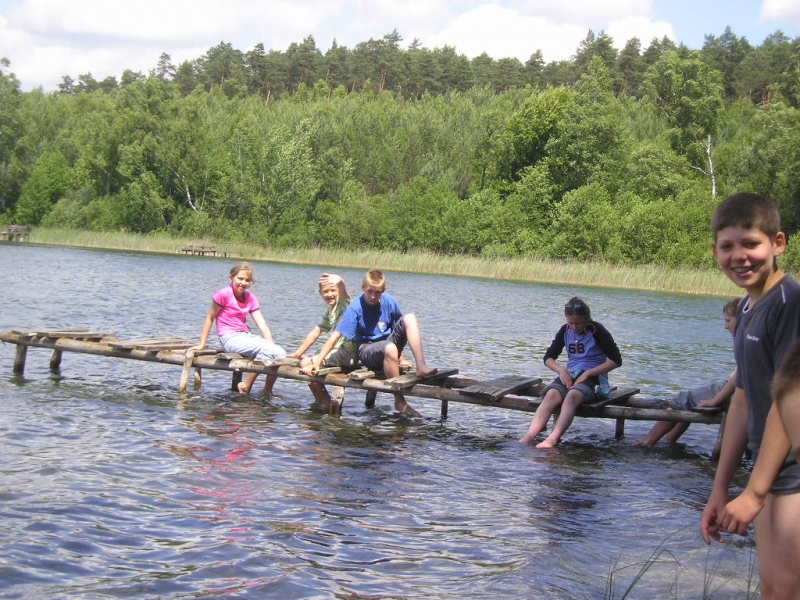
{"points": [[116, 486]]}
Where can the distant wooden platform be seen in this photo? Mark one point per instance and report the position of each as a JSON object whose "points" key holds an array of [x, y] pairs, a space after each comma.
{"points": [[204, 250], [17, 233], [512, 392]]}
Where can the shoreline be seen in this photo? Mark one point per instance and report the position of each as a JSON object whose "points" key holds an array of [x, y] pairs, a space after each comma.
{"points": [[708, 282]]}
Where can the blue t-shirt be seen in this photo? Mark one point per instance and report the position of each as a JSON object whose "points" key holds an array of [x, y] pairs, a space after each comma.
{"points": [[362, 322]]}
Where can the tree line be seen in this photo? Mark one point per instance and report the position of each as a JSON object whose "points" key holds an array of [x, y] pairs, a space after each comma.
{"points": [[614, 156]]}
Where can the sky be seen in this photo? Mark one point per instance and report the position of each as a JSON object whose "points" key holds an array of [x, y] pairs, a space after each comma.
{"points": [[44, 40]]}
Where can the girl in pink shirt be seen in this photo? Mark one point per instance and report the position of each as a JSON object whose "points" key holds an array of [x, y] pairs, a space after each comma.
{"points": [[229, 309]]}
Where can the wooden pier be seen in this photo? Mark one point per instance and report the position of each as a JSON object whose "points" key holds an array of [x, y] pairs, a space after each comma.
{"points": [[17, 233], [508, 392], [204, 250]]}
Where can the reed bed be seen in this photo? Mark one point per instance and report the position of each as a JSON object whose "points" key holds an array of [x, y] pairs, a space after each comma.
{"points": [[529, 268]]}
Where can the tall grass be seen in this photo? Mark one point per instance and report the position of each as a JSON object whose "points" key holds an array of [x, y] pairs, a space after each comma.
{"points": [[530, 268]]}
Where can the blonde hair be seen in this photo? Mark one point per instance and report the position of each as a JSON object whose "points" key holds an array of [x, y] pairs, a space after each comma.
{"points": [[242, 266], [374, 278]]}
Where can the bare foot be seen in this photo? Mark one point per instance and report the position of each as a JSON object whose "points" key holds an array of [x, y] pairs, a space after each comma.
{"points": [[426, 371], [404, 408], [526, 439], [548, 443]]}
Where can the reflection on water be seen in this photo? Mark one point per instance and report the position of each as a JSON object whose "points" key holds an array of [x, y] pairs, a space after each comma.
{"points": [[115, 485]]}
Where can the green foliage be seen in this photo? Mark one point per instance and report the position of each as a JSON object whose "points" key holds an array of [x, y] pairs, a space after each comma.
{"points": [[49, 180], [604, 157]]}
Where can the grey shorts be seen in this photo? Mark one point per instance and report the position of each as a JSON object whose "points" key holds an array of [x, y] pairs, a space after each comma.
{"points": [[345, 356], [371, 353], [788, 479], [589, 394], [688, 399]]}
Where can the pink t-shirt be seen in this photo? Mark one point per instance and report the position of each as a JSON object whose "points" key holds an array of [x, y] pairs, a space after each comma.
{"points": [[233, 315]]}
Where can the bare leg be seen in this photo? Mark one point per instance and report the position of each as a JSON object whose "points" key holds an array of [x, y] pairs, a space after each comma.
{"points": [[404, 407], [391, 367], [568, 409], [777, 530], [659, 430], [321, 395], [271, 379], [677, 432], [552, 400], [415, 344], [245, 386]]}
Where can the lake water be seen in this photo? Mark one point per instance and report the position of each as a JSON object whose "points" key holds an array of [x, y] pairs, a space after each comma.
{"points": [[116, 486]]}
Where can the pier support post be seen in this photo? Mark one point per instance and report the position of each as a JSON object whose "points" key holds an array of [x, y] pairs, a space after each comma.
{"points": [[187, 368], [718, 444], [55, 361], [445, 406], [369, 401], [620, 430], [19, 359], [236, 380]]}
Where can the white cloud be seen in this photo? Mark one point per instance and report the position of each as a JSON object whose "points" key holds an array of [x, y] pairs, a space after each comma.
{"points": [[624, 29], [587, 12], [777, 10], [504, 32]]}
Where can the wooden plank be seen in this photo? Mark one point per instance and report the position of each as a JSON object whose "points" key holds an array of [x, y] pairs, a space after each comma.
{"points": [[411, 379], [327, 371], [131, 344], [165, 346], [616, 396], [361, 374], [497, 388]]}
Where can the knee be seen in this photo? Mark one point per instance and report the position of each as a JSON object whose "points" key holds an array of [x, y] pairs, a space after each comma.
{"points": [[391, 352]]}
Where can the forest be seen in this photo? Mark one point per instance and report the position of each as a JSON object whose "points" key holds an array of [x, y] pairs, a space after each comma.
{"points": [[615, 156]]}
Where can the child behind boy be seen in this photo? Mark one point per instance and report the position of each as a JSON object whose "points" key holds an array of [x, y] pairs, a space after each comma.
{"points": [[747, 242], [715, 394], [380, 329], [344, 353]]}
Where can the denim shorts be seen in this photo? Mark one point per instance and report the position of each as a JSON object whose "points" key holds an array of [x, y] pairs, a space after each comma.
{"points": [[252, 346], [589, 394]]}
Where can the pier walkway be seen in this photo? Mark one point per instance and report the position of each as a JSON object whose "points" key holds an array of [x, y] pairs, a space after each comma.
{"points": [[511, 392]]}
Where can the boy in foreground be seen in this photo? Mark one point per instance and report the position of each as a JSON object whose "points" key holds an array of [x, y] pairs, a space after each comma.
{"points": [[747, 241], [380, 329]]}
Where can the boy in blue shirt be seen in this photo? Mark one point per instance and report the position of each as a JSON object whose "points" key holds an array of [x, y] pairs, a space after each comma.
{"points": [[747, 242], [376, 324]]}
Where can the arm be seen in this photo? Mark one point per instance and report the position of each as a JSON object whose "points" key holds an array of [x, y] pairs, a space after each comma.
{"points": [[330, 343], [734, 440], [608, 365], [261, 323], [207, 324], [312, 337], [739, 513], [723, 394], [553, 352]]}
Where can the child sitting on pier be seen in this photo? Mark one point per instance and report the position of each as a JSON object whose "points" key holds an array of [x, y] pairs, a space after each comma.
{"points": [[591, 354], [376, 324], [229, 309], [716, 393], [333, 291]]}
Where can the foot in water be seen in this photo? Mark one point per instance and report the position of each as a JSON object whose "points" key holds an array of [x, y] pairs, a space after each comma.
{"points": [[404, 408], [548, 443]]}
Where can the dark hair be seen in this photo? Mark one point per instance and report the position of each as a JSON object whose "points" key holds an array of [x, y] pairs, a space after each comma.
{"points": [[577, 307], [751, 211], [731, 306]]}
